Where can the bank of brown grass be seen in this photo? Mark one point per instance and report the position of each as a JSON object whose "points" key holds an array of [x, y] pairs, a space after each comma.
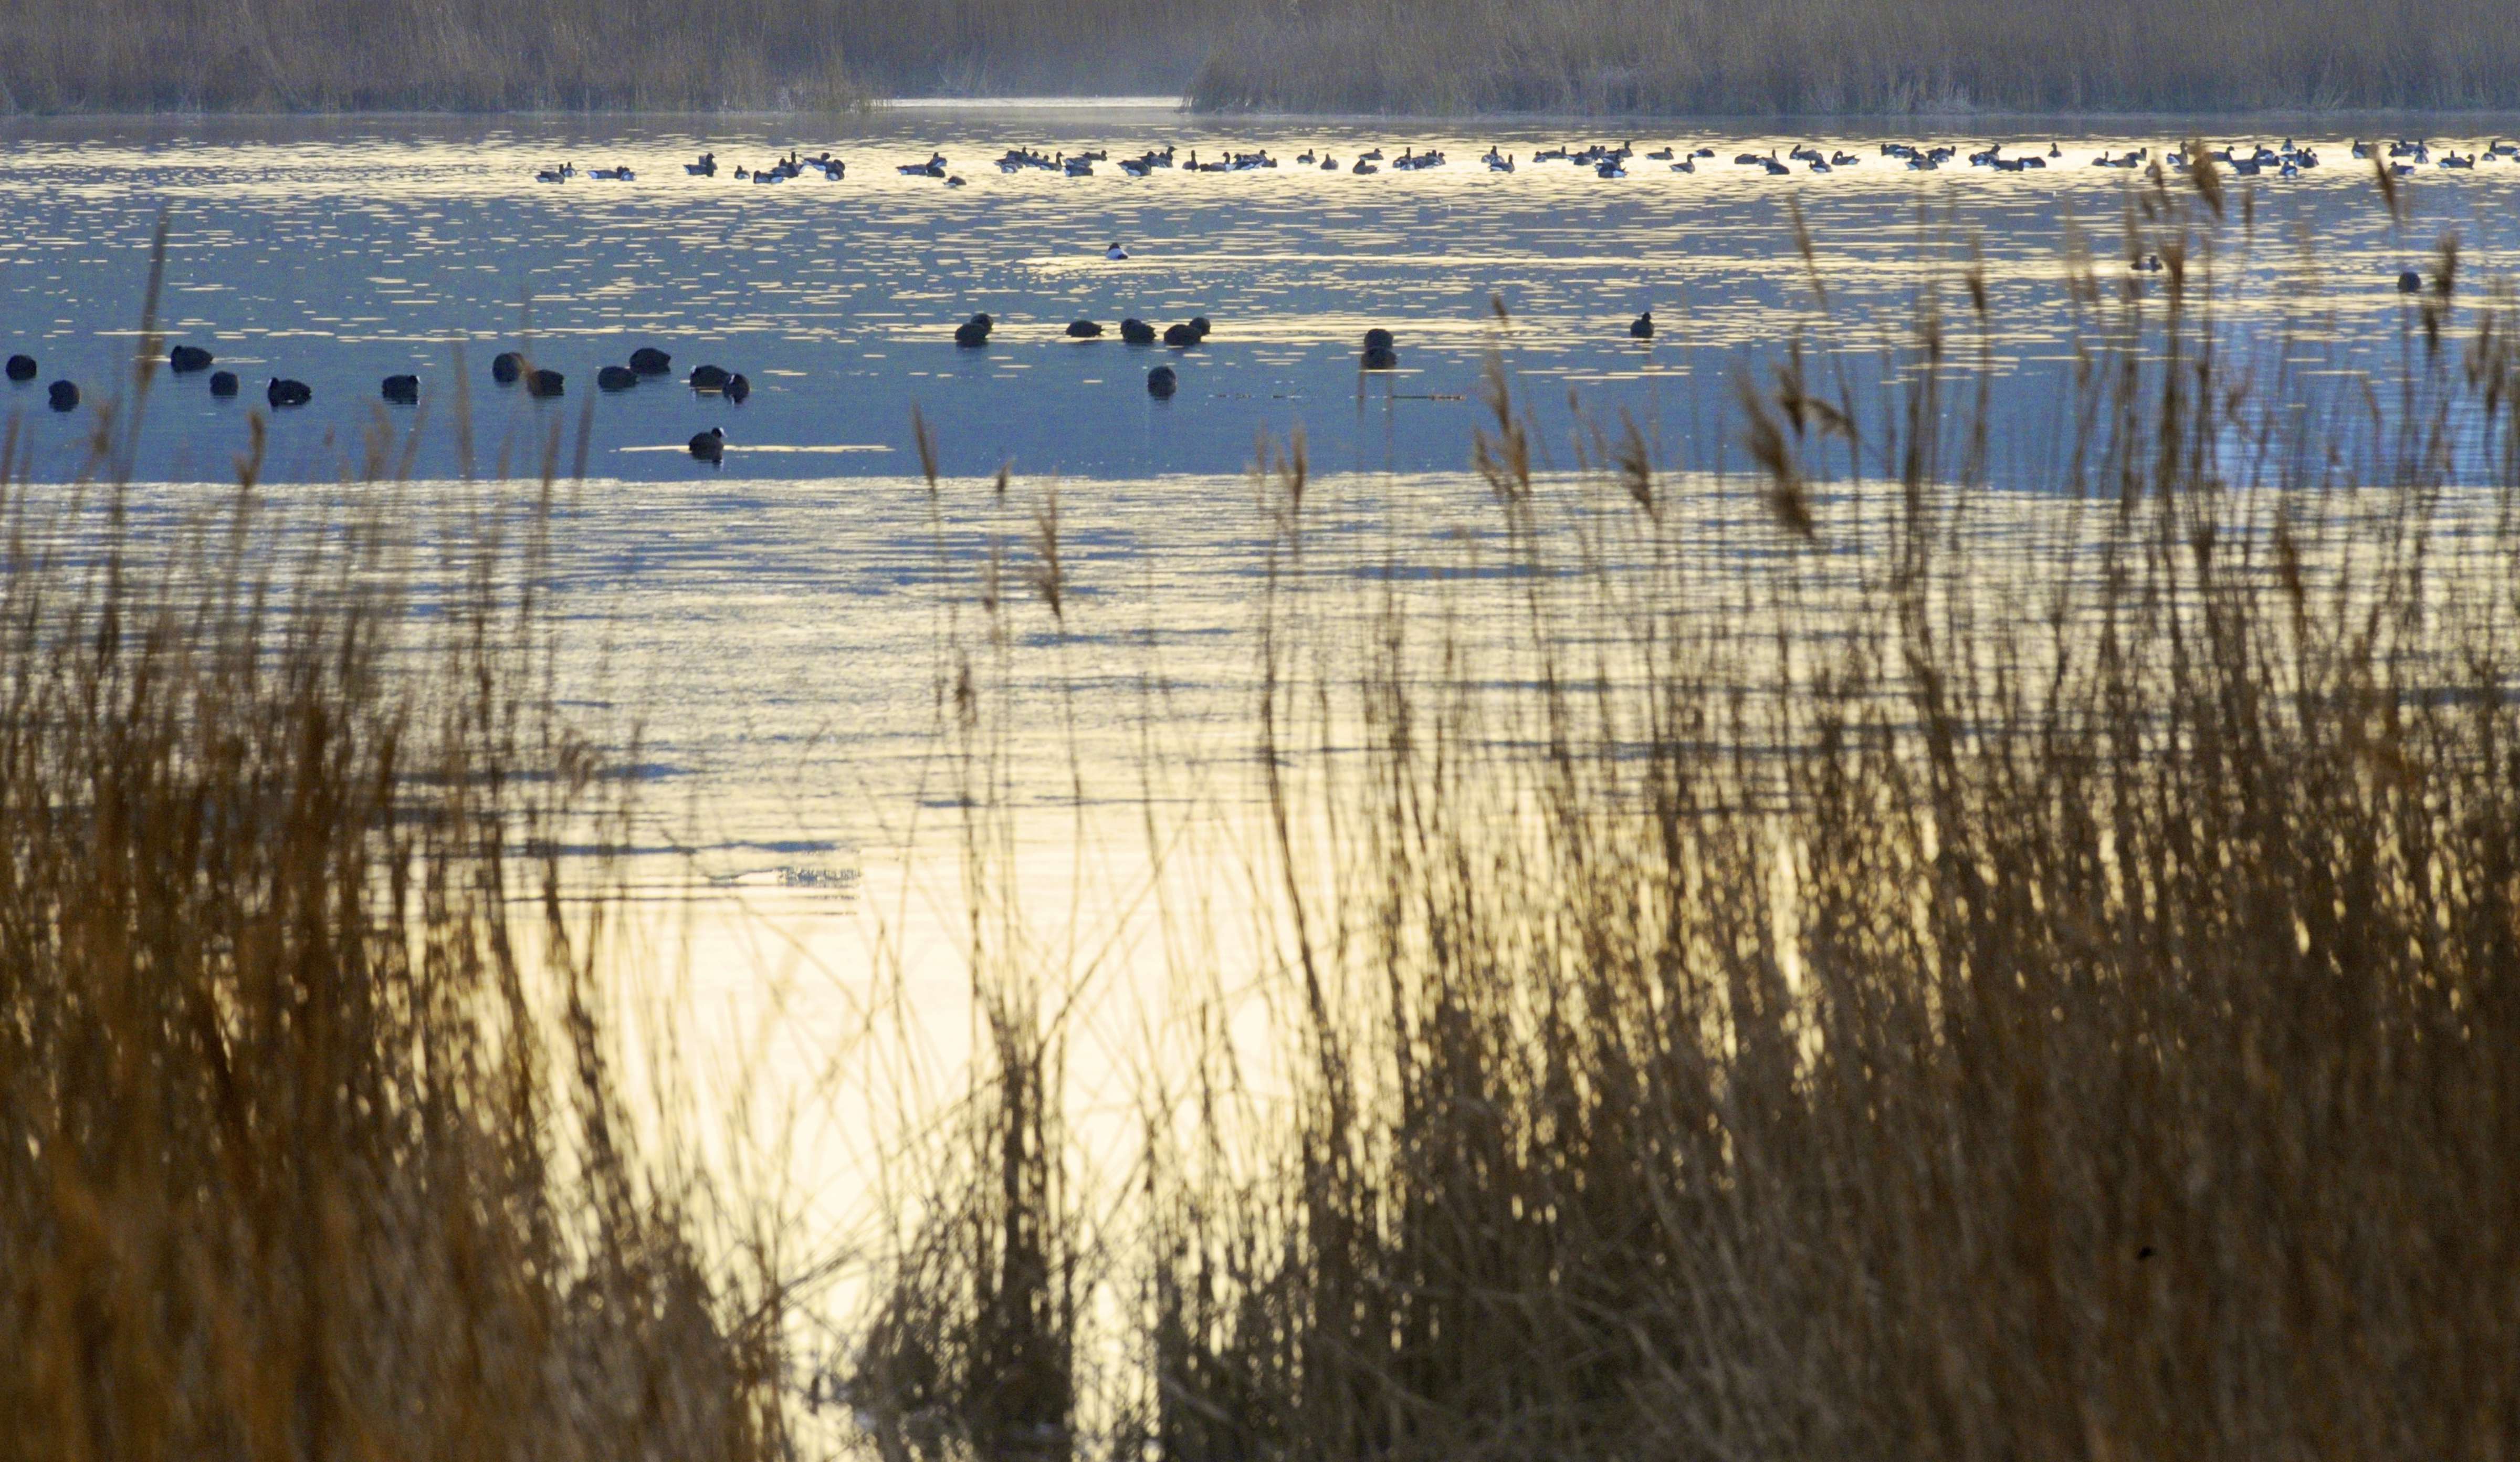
{"points": [[315, 1146], [1850, 982], [1606, 57], [1854, 56]]}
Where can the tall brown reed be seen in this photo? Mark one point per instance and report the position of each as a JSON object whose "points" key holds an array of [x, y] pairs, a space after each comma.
{"points": [[315, 1141], [1875, 962]]}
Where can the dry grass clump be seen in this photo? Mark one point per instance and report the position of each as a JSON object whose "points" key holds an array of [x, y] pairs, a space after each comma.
{"points": [[314, 1144], [1869, 972], [1680, 57]]}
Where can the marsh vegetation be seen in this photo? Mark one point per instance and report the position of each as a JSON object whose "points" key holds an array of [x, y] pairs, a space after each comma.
{"points": [[1892, 952], [1422, 57]]}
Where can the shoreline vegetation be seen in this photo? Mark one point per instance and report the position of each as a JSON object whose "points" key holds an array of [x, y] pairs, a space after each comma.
{"points": [[1576, 58], [1767, 972], [1783, 985]]}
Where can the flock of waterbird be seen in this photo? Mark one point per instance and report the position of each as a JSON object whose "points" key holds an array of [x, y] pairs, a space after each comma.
{"points": [[508, 368], [2403, 156], [1379, 350]]}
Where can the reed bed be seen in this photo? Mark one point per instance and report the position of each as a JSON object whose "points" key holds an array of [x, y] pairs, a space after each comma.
{"points": [[1837, 57], [319, 1143], [580, 54], [1422, 57], [1817, 987]]}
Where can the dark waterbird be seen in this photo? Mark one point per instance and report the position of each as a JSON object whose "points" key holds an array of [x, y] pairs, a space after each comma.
{"points": [[183, 360], [1642, 328], [223, 383], [974, 331], [1378, 336], [22, 368], [540, 383], [710, 445], [506, 367], [63, 396], [1137, 332], [1084, 330], [708, 378], [616, 378], [648, 360], [282, 391], [737, 389], [1162, 383], [2409, 282], [402, 391]]}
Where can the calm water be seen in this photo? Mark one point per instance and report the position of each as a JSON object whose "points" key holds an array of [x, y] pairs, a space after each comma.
{"points": [[773, 622], [337, 252]]}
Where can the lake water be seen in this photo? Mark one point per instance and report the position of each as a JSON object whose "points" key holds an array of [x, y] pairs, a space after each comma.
{"points": [[340, 252], [773, 621], [779, 626]]}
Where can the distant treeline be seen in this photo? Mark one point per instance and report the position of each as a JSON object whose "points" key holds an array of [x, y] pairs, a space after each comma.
{"points": [[1368, 56]]}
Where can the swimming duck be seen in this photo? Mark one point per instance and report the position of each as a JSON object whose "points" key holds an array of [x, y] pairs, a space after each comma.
{"points": [[1364, 167], [1181, 337], [541, 384], [223, 383], [282, 392], [974, 331], [705, 167], [710, 445], [401, 391], [63, 396], [616, 378], [1641, 326], [2409, 282], [648, 360], [183, 360], [737, 387], [1084, 330], [22, 368], [1161, 383], [506, 367], [707, 378], [934, 168], [1116, 253], [1137, 332]]}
